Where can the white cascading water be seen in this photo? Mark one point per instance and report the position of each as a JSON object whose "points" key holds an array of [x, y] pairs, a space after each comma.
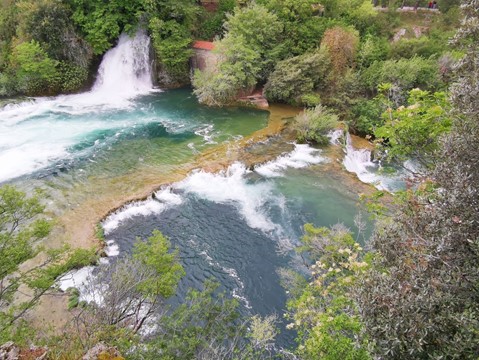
{"points": [[125, 71], [358, 161], [39, 132]]}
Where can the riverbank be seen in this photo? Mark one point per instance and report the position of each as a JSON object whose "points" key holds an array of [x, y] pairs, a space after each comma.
{"points": [[77, 227]]}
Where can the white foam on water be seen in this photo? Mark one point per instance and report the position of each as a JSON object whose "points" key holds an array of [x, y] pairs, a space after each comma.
{"points": [[237, 291], [75, 278], [207, 134], [359, 161], [231, 187], [302, 156], [36, 133], [112, 248], [161, 201], [334, 136]]}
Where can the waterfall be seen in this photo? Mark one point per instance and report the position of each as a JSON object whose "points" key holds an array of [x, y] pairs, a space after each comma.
{"points": [[40, 132], [125, 69], [358, 161]]}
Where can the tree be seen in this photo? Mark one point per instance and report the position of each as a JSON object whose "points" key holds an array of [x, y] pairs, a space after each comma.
{"points": [[298, 76], [414, 132], [18, 231], [404, 75], [209, 326], [35, 71], [21, 228], [341, 44], [261, 31], [131, 291], [421, 298], [171, 42], [49, 23], [303, 27], [235, 74], [325, 314], [102, 22]]}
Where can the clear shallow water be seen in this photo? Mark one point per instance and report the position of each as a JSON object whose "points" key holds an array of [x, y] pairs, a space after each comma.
{"points": [[46, 138]]}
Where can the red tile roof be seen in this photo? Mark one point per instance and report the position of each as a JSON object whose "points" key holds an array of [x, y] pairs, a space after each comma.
{"points": [[203, 45]]}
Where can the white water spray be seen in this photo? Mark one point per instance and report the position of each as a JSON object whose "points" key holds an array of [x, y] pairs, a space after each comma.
{"points": [[359, 161], [125, 71], [40, 132]]}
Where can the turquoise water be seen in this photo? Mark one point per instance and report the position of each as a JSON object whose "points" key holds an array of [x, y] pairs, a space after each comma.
{"points": [[239, 227], [50, 136]]}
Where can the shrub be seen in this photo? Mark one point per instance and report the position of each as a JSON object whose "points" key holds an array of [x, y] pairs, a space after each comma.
{"points": [[372, 49], [298, 76], [341, 44], [71, 77], [366, 116], [314, 124], [36, 73], [405, 74]]}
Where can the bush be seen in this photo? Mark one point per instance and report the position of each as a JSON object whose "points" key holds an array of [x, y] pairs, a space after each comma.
{"points": [[366, 116], [314, 124], [372, 49], [7, 84], [71, 77], [341, 44], [426, 46], [298, 76], [405, 74], [36, 73]]}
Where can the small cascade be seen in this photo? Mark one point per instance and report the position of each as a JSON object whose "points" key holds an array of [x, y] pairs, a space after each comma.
{"points": [[359, 161], [125, 69]]}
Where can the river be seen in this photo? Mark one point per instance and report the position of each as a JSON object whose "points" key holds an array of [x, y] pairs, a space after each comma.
{"points": [[91, 153]]}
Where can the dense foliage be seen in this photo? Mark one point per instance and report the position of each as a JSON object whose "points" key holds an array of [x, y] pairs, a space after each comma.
{"points": [[412, 295]]}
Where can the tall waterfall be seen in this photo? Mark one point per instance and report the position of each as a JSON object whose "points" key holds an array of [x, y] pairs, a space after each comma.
{"points": [[125, 69]]}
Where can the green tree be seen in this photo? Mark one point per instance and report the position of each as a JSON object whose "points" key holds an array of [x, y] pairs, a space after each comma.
{"points": [[404, 74], [261, 31], [133, 289], [421, 300], [35, 71], [325, 314], [236, 73], [171, 42], [103, 21], [298, 76], [49, 23], [415, 131], [21, 228], [208, 325]]}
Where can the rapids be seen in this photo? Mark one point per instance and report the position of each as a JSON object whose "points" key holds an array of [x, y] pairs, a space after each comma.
{"points": [[231, 220]]}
